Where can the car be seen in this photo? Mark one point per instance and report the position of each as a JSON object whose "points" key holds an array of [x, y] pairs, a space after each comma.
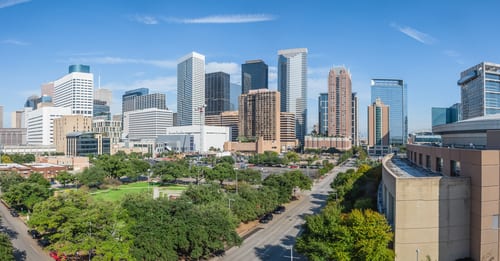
{"points": [[34, 234], [43, 242], [279, 210], [14, 213], [266, 218]]}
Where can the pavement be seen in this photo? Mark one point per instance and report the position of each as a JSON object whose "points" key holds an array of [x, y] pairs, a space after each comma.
{"points": [[26, 248], [275, 240]]}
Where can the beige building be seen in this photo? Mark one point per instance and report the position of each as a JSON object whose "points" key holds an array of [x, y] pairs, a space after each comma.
{"points": [[259, 115], [324, 143], [76, 164], [339, 103], [378, 124], [17, 119], [67, 124], [225, 119], [454, 211], [111, 129]]}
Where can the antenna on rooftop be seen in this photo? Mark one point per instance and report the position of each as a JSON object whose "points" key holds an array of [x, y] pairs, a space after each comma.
{"points": [[99, 81]]}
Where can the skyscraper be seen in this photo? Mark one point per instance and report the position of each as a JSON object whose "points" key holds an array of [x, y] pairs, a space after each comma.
{"points": [[217, 93], [17, 119], [479, 87], [48, 89], [292, 84], [392, 92], [339, 103], [355, 120], [378, 124], [260, 115], [75, 90], [234, 93], [104, 95], [140, 99], [254, 75], [323, 114], [190, 89]]}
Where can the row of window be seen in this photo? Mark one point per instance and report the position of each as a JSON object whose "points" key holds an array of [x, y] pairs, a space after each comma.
{"points": [[438, 163]]}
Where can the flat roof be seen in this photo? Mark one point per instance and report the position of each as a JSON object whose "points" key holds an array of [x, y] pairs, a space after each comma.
{"points": [[404, 169]]}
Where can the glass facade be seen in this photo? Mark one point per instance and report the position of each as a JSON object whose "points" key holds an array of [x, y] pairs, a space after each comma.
{"points": [[217, 93], [323, 113], [445, 115], [254, 75], [392, 92], [79, 68]]}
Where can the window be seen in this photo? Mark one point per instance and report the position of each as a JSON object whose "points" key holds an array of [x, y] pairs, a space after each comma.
{"points": [[454, 168], [420, 159], [428, 161], [439, 164]]}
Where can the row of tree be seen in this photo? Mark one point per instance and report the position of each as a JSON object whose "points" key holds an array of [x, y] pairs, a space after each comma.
{"points": [[23, 194], [18, 158]]}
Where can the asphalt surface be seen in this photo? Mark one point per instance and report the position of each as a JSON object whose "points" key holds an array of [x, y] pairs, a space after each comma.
{"points": [[274, 240], [26, 248]]}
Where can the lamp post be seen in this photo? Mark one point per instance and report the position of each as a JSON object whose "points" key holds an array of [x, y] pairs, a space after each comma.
{"points": [[201, 110], [418, 251], [229, 201]]}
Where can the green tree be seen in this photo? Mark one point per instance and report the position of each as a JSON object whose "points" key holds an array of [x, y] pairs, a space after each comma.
{"points": [[6, 159], [26, 194], [91, 177], [228, 159], [139, 167], [10, 179], [251, 176], [6, 248], [292, 156], [65, 177], [170, 170], [221, 172], [38, 178], [114, 166], [198, 173]]}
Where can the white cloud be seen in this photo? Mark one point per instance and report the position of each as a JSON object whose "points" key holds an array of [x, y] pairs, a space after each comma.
{"points": [[14, 42], [414, 33], [224, 19], [121, 60], [145, 19], [7, 3]]}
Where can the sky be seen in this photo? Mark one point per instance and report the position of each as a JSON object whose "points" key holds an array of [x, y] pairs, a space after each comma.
{"points": [[132, 44]]}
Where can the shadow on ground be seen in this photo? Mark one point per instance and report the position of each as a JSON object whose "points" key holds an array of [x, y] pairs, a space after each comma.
{"points": [[279, 252]]}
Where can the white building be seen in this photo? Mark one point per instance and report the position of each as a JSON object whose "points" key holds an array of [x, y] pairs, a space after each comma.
{"points": [[111, 129], [40, 124], [147, 123], [188, 139], [75, 90], [190, 89], [292, 84], [104, 95]]}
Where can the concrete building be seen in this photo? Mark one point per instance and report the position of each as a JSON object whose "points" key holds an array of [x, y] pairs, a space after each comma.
{"points": [[12, 136], [355, 120], [325, 143], [339, 103], [104, 95], [225, 119], [86, 143], [254, 76], [75, 164], [217, 93], [479, 87], [288, 138], [67, 124], [378, 129], [140, 99], [147, 123], [40, 124], [75, 90], [17, 119], [323, 114], [259, 114], [111, 129], [47, 89], [188, 138], [393, 93], [292, 85], [34, 149], [190, 89], [234, 93]]}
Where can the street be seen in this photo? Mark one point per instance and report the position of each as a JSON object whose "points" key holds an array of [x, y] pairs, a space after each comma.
{"points": [[273, 241], [26, 248]]}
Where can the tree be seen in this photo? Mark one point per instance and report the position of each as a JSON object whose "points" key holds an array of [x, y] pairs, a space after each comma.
{"points": [[91, 177], [198, 173], [6, 248], [38, 178], [221, 172], [9, 179], [139, 167], [6, 159], [227, 159], [64, 177], [292, 156], [251, 176], [170, 170], [114, 166], [26, 194]]}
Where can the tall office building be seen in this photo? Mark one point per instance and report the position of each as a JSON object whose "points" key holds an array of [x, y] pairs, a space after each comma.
{"points": [[378, 124], [339, 103], [40, 124], [287, 127], [442, 116], [260, 115], [217, 93], [148, 123], [104, 95], [225, 119], [292, 85], [392, 92], [234, 93], [17, 119], [190, 89], [67, 124], [323, 114], [111, 129], [140, 99], [101, 110], [479, 87], [355, 120], [75, 90], [47, 89], [254, 75]]}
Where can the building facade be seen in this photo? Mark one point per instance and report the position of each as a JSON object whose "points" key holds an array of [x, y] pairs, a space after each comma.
{"points": [[325, 143], [339, 103], [479, 88], [292, 85], [67, 124], [323, 114], [104, 95], [75, 90], [445, 115], [111, 129], [259, 115], [40, 124], [225, 119], [378, 124], [17, 119], [188, 138], [190, 89], [217, 93], [355, 120], [393, 93], [86, 143], [148, 123], [254, 76], [12, 136]]}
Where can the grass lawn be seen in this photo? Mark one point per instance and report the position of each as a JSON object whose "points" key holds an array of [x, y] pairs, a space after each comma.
{"points": [[137, 187]]}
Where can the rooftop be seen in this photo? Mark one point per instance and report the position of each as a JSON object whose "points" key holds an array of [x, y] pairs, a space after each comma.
{"points": [[402, 168]]}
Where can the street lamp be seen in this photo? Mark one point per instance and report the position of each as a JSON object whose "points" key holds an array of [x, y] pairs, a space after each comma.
{"points": [[229, 201], [201, 110], [418, 251]]}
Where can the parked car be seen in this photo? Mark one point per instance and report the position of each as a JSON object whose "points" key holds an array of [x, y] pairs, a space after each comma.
{"points": [[43, 242], [266, 218], [279, 210], [14, 213], [34, 234]]}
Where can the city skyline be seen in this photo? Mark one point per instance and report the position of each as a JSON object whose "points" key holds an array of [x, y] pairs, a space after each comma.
{"points": [[135, 45]]}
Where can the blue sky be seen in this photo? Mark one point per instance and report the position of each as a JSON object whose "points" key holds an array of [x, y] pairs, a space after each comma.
{"points": [[134, 44]]}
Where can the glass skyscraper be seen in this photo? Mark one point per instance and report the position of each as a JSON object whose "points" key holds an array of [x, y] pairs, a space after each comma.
{"points": [[323, 114], [392, 92], [480, 90], [292, 84], [217, 93], [445, 115], [254, 75]]}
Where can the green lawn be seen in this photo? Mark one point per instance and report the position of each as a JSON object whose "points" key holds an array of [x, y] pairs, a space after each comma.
{"points": [[138, 187]]}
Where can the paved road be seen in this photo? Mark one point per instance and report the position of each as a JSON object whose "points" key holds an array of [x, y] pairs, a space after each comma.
{"points": [[272, 241], [26, 247]]}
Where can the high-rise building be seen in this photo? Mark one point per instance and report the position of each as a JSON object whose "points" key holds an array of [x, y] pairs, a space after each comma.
{"points": [[40, 124], [225, 119], [392, 92], [111, 129], [339, 103], [445, 115], [104, 95], [323, 114], [101, 110], [378, 124], [479, 87], [355, 120], [292, 85], [17, 119], [148, 123], [190, 89], [217, 92], [260, 115], [47, 89], [67, 124], [140, 99], [234, 93], [287, 127], [254, 75], [75, 90]]}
